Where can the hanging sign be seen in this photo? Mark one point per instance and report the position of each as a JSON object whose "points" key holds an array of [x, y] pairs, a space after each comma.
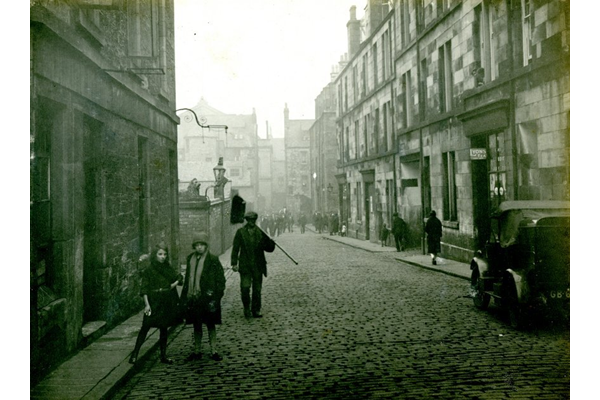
{"points": [[478, 154]]}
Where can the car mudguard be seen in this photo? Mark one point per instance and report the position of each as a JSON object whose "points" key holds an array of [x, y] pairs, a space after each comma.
{"points": [[520, 282], [481, 264]]}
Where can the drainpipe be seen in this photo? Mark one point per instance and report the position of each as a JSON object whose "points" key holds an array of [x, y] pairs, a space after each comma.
{"points": [[511, 108], [422, 118]]}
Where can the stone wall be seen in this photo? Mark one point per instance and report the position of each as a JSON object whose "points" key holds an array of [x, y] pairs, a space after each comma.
{"points": [[103, 170], [212, 217]]}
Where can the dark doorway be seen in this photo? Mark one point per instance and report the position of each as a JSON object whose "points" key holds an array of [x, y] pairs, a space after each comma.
{"points": [[426, 178], [481, 203], [92, 237], [369, 196], [143, 195]]}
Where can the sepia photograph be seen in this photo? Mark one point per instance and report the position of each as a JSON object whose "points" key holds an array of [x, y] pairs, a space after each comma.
{"points": [[302, 199]]}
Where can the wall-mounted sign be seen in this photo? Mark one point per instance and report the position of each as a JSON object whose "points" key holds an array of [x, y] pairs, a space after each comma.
{"points": [[478, 154]]}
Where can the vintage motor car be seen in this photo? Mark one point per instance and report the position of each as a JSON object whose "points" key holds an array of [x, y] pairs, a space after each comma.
{"points": [[525, 264]]}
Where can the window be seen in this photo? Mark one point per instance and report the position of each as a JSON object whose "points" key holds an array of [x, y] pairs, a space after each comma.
{"points": [[366, 73], [376, 132], [407, 108], [483, 40], [385, 127], [390, 126], [365, 143], [442, 6], [364, 76], [449, 188], [384, 55], [355, 83], [404, 22], [375, 66], [356, 135], [340, 109], [445, 76], [142, 28], [423, 90], [235, 172], [345, 93], [347, 144], [527, 21]]}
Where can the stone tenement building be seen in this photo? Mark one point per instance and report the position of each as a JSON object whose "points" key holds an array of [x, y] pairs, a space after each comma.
{"points": [[200, 148], [103, 163], [454, 106], [271, 164], [323, 151], [297, 163]]}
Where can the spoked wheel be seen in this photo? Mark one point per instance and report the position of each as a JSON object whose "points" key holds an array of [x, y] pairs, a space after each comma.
{"points": [[481, 299]]}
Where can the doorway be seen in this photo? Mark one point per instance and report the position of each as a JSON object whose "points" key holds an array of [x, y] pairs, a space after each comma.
{"points": [[92, 238], [369, 198], [481, 201]]}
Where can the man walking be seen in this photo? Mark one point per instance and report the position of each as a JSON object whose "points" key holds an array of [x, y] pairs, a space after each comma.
{"points": [[302, 222], [399, 231], [433, 228], [249, 245]]}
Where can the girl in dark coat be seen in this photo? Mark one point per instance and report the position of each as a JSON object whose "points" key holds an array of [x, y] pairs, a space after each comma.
{"points": [[159, 281], [203, 289]]}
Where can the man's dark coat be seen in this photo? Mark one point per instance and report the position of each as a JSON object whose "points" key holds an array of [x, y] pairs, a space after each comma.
{"points": [[247, 258]]}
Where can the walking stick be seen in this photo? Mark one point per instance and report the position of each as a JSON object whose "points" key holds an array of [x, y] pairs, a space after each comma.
{"points": [[238, 209], [277, 244]]}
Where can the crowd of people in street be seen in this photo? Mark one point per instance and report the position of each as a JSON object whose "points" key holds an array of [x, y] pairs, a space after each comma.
{"points": [[204, 282]]}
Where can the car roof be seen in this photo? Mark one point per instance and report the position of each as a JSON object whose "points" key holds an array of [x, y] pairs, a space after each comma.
{"points": [[513, 213], [533, 205]]}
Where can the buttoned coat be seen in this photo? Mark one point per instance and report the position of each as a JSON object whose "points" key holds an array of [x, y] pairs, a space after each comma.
{"points": [[250, 258], [212, 288], [156, 284]]}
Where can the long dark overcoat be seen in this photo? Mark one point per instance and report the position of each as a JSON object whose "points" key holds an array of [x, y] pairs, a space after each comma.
{"points": [[207, 307], [156, 281], [250, 258], [433, 228]]}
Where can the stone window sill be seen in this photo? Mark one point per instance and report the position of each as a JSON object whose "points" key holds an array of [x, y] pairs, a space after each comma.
{"points": [[450, 224]]}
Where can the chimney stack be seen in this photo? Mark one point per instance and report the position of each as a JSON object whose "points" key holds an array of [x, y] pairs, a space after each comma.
{"points": [[353, 27]]}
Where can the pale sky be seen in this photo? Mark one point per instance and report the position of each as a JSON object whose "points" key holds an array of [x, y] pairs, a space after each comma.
{"points": [[245, 54]]}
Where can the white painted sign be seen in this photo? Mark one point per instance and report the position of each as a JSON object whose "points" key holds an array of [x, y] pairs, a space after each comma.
{"points": [[478, 154]]}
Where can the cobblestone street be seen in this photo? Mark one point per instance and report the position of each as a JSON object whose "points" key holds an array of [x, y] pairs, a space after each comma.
{"points": [[346, 323]]}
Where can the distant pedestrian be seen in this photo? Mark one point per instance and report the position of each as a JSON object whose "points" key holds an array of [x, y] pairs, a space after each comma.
{"points": [[203, 289], [249, 246], [344, 229], [302, 222], [335, 224], [159, 281], [433, 228], [264, 223], [399, 231]]}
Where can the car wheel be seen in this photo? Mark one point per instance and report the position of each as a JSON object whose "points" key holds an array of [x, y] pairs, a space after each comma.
{"points": [[481, 299]]}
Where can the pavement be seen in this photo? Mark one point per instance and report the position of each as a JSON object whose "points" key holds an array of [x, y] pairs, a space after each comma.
{"points": [[98, 370]]}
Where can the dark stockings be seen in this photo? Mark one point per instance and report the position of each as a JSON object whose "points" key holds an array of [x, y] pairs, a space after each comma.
{"points": [[142, 337]]}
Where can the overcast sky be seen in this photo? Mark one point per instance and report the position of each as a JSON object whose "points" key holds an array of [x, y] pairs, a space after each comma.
{"points": [[245, 54]]}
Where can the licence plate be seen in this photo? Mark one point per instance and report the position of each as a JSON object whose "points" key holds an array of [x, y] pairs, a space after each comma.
{"points": [[560, 294]]}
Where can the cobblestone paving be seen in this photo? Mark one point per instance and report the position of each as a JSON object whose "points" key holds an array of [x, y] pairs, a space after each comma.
{"points": [[346, 323]]}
